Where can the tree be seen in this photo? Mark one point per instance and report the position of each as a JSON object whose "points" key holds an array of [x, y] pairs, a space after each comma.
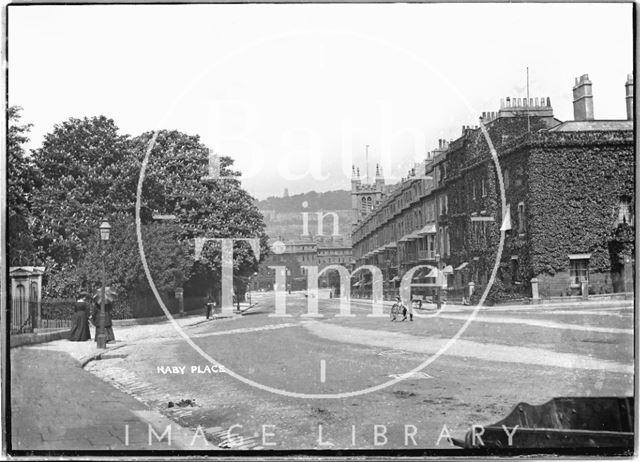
{"points": [[86, 174], [216, 209], [168, 257], [22, 179], [90, 172]]}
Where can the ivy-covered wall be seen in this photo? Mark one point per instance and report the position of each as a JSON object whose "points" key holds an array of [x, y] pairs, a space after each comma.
{"points": [[477, 242], [576, 182], [570, 184]]}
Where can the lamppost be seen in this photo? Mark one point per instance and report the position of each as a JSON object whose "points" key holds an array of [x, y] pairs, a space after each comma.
{"points": [[102, 334]]}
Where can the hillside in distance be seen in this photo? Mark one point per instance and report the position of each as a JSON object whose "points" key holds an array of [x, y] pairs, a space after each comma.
{"points": [[284, 219], [327, 201]]}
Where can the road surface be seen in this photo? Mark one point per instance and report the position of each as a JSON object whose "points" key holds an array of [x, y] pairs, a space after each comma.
{"points": [[503, 357]]}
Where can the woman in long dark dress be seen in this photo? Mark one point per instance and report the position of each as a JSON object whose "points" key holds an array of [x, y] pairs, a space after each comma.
{"points": [[80, 331], [107, 321]]}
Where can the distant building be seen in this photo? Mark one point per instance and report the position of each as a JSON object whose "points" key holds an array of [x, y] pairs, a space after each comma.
{"points": [[334, 251], [569, 190], [320, 251]]}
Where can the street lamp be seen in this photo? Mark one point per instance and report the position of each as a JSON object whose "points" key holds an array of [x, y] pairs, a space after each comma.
{"points": [[101, 339], [438, 288]]}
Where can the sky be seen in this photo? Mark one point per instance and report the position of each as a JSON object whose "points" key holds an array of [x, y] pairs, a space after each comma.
{"points": [[295, 92]]}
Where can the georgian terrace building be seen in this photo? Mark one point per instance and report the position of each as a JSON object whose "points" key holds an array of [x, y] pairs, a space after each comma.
{"points": [[402, 229], [569, 189]]}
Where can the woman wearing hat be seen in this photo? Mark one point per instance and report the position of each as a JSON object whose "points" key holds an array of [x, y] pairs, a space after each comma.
{"points": [[80, 331], [108, 325], [109, 297]]}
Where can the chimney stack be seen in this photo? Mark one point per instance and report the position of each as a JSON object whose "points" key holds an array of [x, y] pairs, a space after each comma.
{"points": [[629, 91], [582, 99]]}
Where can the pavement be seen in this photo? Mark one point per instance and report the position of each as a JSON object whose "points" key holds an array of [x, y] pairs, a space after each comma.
{"points": [[556, 305], [58, 405]]}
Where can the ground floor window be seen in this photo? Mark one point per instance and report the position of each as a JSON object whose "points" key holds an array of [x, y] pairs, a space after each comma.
{"points": [[578, 271], [515, 270]]}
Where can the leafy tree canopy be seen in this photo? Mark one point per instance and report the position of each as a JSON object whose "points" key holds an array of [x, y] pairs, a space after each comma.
{"points": [[22, 179], [89, 172], [214, 209], [85, 167]]}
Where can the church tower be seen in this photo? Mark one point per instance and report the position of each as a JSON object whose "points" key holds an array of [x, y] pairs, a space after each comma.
{"points": [[365, 196], [355, 188], [379, 179]]}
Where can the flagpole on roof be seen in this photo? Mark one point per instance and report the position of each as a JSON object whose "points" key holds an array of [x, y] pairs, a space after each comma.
{"points": [[528, 116]]}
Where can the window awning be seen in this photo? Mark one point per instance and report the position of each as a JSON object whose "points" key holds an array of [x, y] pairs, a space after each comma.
{"points": [[462, 266], [391, 245], [421, 273], [404, 238], [447, 269], [580, 256], [432, 274], [414, 236], [395, 279], [429, 229]]}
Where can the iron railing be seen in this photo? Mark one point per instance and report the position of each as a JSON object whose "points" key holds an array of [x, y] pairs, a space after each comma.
{"points": [[22, 316]]}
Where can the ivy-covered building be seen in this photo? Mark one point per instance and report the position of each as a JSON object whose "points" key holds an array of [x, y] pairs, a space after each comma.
{"points": [[569, 196]]}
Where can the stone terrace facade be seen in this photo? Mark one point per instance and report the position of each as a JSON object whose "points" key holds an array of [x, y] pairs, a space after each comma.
{"points": [[569, 193]]}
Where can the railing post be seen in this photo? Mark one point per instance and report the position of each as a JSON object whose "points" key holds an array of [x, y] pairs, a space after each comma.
{"points": [[33, 312], [535, 293], [628, 274], [585, 289], [180, 296]]}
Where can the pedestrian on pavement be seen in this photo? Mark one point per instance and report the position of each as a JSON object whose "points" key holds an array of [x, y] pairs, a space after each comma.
{"points": [[410, 310], [80, 331], [108, 325], [396, 308], [208, 305]]}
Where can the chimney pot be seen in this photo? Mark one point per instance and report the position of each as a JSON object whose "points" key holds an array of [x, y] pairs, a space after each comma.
{"points": [[583, 99], [629, 96]]}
